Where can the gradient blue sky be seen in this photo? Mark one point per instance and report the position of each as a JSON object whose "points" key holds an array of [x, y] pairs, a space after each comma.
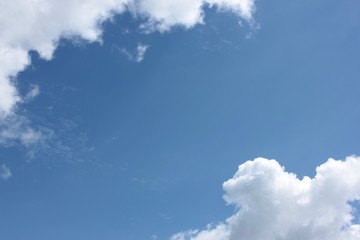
{"points": [[141, 149]]}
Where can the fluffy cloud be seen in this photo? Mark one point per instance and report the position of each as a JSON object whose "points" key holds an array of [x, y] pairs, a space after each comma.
{"points": [[164, 14], [274, 204], [38, 25], [5, 172]]}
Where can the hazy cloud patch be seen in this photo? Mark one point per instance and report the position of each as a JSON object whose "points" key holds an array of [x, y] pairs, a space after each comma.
{"points": [[33, 93], [17, 129], [5, 172]]}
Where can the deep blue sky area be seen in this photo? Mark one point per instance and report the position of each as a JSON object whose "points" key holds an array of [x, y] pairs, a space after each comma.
{"points": [[143, 148]]}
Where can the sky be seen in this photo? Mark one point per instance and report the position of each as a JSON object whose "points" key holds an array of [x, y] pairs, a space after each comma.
{"points": [[179, 120]]}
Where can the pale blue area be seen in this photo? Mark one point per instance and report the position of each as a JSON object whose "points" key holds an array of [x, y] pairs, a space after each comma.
{"points": [[168, 131]]}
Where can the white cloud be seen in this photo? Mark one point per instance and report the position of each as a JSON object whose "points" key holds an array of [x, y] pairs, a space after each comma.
{"points": [[5, 172], [274, 204], [164, 14], [39, 25]]}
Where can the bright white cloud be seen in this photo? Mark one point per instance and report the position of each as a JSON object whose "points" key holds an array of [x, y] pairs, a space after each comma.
{"points": [[274, 204], [39, 25], [164, 14], [5, 172]]}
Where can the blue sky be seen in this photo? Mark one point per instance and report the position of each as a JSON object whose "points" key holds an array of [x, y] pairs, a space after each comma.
{"points": [[139, 150]]}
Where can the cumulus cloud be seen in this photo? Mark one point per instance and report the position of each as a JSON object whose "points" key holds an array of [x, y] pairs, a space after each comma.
{"points": [[38, 25], [164, 14], [274, 204], [5, 172]]}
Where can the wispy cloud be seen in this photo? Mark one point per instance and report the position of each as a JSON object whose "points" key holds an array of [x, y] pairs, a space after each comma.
{"points": [[33, 93], [136, 55], [45, 142], [274, 204], [5, 172], [17, 129], [140, 52]]}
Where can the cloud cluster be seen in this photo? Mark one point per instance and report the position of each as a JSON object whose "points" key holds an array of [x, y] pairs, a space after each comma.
{"points": [[273, 204], [164, 14], [38, 25]]}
